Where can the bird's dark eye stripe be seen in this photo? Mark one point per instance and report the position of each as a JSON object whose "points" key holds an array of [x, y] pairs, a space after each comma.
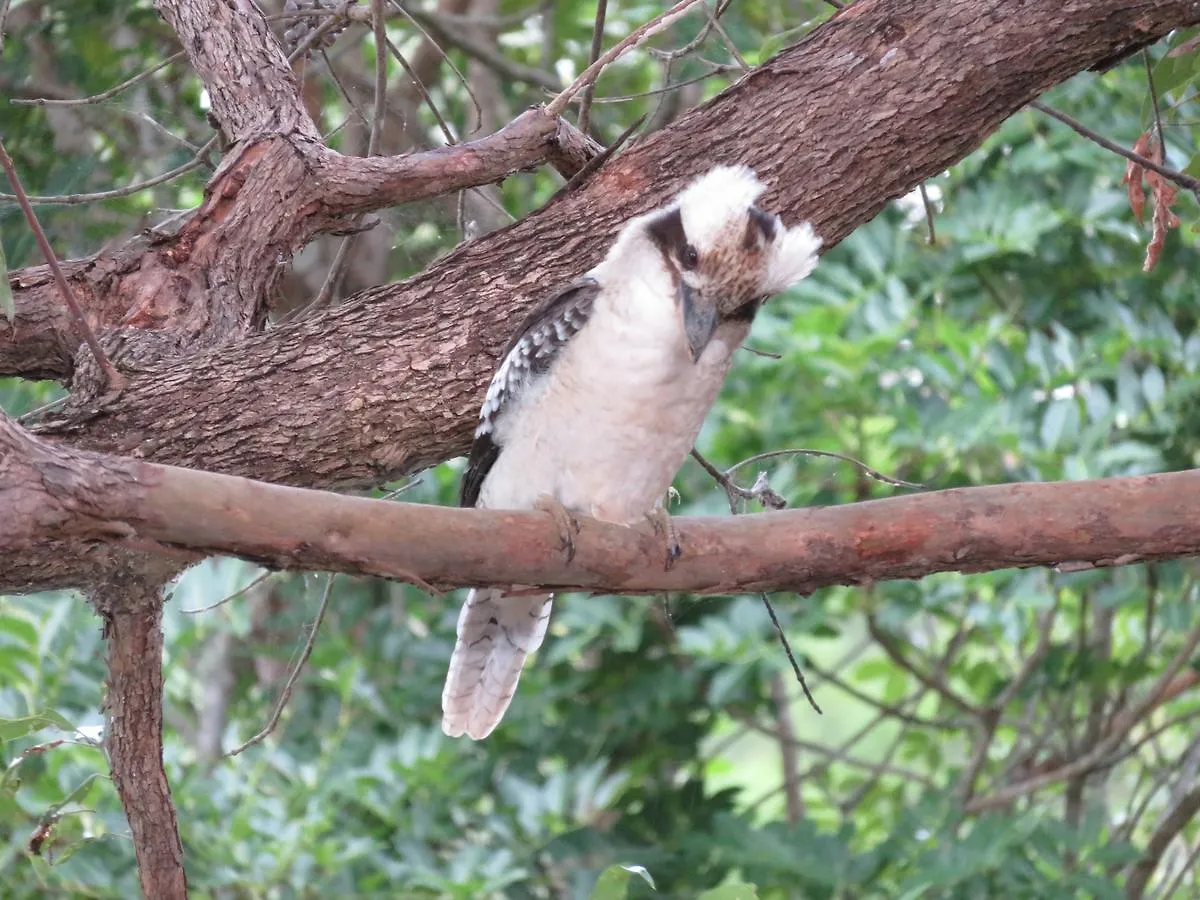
{"points": [[763, 223]]}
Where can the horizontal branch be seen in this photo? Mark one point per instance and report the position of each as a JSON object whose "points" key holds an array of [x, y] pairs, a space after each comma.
{"points": [[56, 492]]}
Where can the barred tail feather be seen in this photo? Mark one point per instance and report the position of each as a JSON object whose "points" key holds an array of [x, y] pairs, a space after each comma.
{"points": [[495, 634]]}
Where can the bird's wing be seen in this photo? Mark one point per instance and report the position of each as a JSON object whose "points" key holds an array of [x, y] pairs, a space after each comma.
{"points": [[529, 354]]}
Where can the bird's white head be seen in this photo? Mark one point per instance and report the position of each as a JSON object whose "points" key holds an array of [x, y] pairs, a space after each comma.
{"points": [[725, 254]]}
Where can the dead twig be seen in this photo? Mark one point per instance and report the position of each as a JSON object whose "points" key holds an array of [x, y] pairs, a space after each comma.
{"points": [[115, 381], [1180, 178], [293, 676], [638, 36]]}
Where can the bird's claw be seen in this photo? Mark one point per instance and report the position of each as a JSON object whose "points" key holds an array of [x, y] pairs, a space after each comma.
{"points": [[665, 528], [568, 527]]}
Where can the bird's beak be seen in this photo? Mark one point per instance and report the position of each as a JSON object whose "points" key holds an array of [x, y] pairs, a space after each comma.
{"points": [[699, 320]]}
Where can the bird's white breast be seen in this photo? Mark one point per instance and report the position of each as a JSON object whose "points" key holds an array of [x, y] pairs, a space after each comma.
{"points": [[605, 431]]}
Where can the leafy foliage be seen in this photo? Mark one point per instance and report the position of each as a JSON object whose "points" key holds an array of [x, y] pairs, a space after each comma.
{"points": [[1024, 344]]}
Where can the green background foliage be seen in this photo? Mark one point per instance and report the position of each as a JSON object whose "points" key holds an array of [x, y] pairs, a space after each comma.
{"points": [[1024, 344]]}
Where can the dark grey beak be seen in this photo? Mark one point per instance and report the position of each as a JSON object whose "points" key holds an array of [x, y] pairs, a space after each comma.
{"points": [[699, 321]]}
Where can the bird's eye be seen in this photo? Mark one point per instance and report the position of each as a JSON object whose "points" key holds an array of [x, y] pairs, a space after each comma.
{"points": [[691, 258]]}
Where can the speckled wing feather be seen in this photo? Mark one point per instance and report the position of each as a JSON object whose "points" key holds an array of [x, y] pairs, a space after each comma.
{"points": [[529, 354]]}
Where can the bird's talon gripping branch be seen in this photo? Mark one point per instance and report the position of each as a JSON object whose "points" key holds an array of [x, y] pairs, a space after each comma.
{"points": [[568, 527], [665, 528]]}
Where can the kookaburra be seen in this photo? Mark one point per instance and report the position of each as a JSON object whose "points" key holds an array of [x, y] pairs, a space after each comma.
{"points": [[600, 395]]}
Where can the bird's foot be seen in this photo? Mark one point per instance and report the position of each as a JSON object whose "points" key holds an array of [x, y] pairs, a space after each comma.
{"points": [[568, 527], [665, 528]]}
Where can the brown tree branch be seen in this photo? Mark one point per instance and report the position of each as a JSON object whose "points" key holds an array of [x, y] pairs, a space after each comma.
{"points": [[56, 492], [1168, 829], [130, 605], [871, 103]]}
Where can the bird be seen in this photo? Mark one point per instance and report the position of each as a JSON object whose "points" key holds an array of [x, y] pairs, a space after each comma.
{"points": [[600, 394]]}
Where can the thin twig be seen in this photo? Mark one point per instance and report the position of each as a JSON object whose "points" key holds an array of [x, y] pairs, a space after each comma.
{"points": [[1158, 124], [341, 258], [448, 28], [863, 467], [1188, 868], [115, 381], [1180, 178], [75, 199], [294, 675], [787, 648], [424, 92], [103, 95], [450, 62], [928, 213], [666, 89], [362, 116], [714, 20], [585, 104], [1168, 828], [598, 160], [670, 56], [255, 582], [933, 681], [787, 748], [556, 106]]}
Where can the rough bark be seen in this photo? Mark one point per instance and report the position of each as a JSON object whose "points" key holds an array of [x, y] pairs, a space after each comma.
{"points": [[130, 605], [884, 95], [61, 491]]}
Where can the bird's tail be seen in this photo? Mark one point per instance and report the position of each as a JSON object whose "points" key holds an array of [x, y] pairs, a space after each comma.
{"points": [[495, 634]]}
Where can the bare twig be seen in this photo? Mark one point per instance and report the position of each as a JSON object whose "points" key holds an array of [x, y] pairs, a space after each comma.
{"points": [[787, 748], [666, 89], [115, 381], [585, 104], [829, 454], [639, 35], [447, 133], [787, 648], [462, 79], [933, 681], [239, 592], [714, 18], [1180, 178], [450, 30], [1099, 754], [598, 160], [1158, 123], [76, 199], [103, 95], [1167, 830], [294, 675], [928, 213]]}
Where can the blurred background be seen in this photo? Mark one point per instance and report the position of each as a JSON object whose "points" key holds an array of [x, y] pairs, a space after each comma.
{"points": [[1024, 734]]}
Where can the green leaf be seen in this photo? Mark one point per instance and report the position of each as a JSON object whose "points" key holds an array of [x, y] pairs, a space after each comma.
{"points": [[613, 883], [734, 890], [11, 729]]}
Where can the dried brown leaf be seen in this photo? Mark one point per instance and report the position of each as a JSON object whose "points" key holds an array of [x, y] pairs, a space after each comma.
{"points": [[1133, 177], [1164, 193]]}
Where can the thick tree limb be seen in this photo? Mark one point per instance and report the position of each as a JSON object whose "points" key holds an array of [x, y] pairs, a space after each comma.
{"points": [[130, 605], [57, 492], [886, 94]]}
